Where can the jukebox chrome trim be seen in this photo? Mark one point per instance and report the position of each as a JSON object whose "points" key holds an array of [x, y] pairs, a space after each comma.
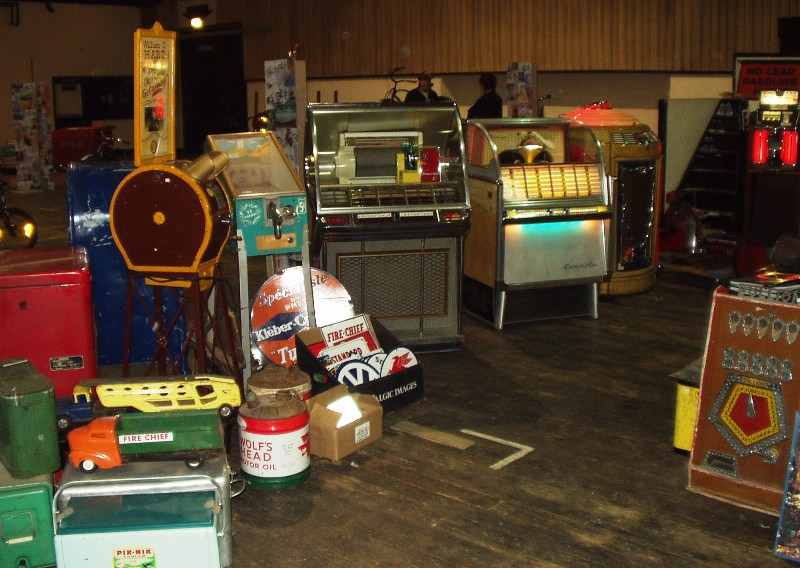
{"points": [[598, 208], [377, 108]]}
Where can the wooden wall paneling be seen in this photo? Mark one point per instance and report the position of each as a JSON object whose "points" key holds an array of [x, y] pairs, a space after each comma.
{"points": [[369, 37]]}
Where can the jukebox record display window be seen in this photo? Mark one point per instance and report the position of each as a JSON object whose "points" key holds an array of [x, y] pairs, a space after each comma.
{"points": [[748, 393], [154, 95]]}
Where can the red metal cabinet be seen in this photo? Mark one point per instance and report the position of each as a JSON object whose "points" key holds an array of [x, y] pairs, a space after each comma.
{"points": [[46, 313]]}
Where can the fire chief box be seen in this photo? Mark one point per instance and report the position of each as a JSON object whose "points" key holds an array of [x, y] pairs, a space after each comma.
{"points": [[393, 391]]}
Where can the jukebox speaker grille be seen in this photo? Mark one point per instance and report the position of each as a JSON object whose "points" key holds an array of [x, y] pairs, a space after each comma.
{"points": [[396, 284], [555, 181]]}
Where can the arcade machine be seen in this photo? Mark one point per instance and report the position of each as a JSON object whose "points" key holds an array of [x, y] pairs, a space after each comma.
{"points": [[171, 223], [633, 156], [390, 211], [771, 203], [748, 397], [271, 209], [540, 202]]}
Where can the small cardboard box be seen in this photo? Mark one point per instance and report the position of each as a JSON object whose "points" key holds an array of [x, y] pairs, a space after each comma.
{"points": [[328, 441], [393, 391]]}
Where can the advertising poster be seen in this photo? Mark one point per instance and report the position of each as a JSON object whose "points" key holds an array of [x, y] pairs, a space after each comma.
{"points": [[280, 90], [31, 108], [521, 85]]}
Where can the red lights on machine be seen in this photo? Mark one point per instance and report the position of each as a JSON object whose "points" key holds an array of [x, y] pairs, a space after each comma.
{"points": [[429, 160], [760, 151], [785, 143], [789, 148]]}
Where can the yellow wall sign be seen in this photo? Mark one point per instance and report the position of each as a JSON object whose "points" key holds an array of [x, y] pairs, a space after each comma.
{"points": [[154, 95]]}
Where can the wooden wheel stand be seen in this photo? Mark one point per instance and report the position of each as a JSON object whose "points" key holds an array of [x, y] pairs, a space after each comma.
{"points": [[212, 328]]}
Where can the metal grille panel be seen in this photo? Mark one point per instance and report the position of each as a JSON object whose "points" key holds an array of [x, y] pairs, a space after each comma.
{"points": [[396, 284], [625, 138]]}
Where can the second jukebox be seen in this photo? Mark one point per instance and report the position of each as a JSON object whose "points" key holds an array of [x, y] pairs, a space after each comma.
{"points": [[391, 210], [540, 205]]}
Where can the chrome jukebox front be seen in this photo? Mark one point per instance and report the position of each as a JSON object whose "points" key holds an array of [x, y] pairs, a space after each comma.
{"points": [[540, 205], [391, 209]]}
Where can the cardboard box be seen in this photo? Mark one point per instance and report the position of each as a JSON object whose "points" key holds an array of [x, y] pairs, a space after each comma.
{"points": [[393, 391], [334, 443]]}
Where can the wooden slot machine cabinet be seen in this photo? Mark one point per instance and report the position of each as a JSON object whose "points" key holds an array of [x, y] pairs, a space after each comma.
{"points": [[633, 156], [771, 200], [748, 394]]}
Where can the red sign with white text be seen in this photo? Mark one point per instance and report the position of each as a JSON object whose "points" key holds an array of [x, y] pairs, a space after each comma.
{"points": [[766, 75]]}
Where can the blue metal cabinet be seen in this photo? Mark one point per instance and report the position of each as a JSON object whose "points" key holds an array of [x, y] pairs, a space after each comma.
{"points": [[90, 187]]}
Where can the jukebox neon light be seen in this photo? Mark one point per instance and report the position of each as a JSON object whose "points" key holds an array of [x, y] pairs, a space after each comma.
{"points": [[391, 209], [540, 202], [633, 155]]}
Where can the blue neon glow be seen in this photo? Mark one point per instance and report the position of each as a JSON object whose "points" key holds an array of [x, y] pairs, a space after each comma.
{"points": [[555, 228]]}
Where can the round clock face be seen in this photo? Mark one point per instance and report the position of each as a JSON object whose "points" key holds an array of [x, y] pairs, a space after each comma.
{"points": [[749, 414]]}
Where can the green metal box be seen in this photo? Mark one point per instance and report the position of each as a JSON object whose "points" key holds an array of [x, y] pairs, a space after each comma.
{"points": [[28, 435], [26, 521]]}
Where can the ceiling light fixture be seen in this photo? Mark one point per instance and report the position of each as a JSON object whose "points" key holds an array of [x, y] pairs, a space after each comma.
{"points": [[197, 15]]}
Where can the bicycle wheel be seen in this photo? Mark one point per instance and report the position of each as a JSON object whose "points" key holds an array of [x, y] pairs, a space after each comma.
{"points": [[19, 229]]}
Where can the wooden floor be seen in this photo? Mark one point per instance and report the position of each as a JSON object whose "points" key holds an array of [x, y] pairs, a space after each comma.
{"points": [[603, 486]]}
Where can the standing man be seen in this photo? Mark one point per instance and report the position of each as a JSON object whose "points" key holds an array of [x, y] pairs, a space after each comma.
{"points": [[423, 93], [488, 105]]}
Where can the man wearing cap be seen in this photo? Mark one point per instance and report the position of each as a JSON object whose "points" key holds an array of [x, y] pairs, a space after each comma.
{"points": [[423, 93]]}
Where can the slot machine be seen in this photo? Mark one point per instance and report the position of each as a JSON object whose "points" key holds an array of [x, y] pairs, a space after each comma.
{"points": [[748, 396], [387, 184], [771, 200], [540, 205]]}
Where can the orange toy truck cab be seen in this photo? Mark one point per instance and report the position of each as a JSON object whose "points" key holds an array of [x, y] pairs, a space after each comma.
{"points": [[95, 445]]}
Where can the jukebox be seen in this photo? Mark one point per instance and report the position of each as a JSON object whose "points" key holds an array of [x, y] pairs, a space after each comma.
{"points": [[540, 204], [391, 210], [632, 154], [771, 200]]}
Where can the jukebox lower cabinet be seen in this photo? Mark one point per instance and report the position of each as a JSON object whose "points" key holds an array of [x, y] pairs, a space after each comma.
{"points": [[391, 210], [632, 154], [539, 195]]}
